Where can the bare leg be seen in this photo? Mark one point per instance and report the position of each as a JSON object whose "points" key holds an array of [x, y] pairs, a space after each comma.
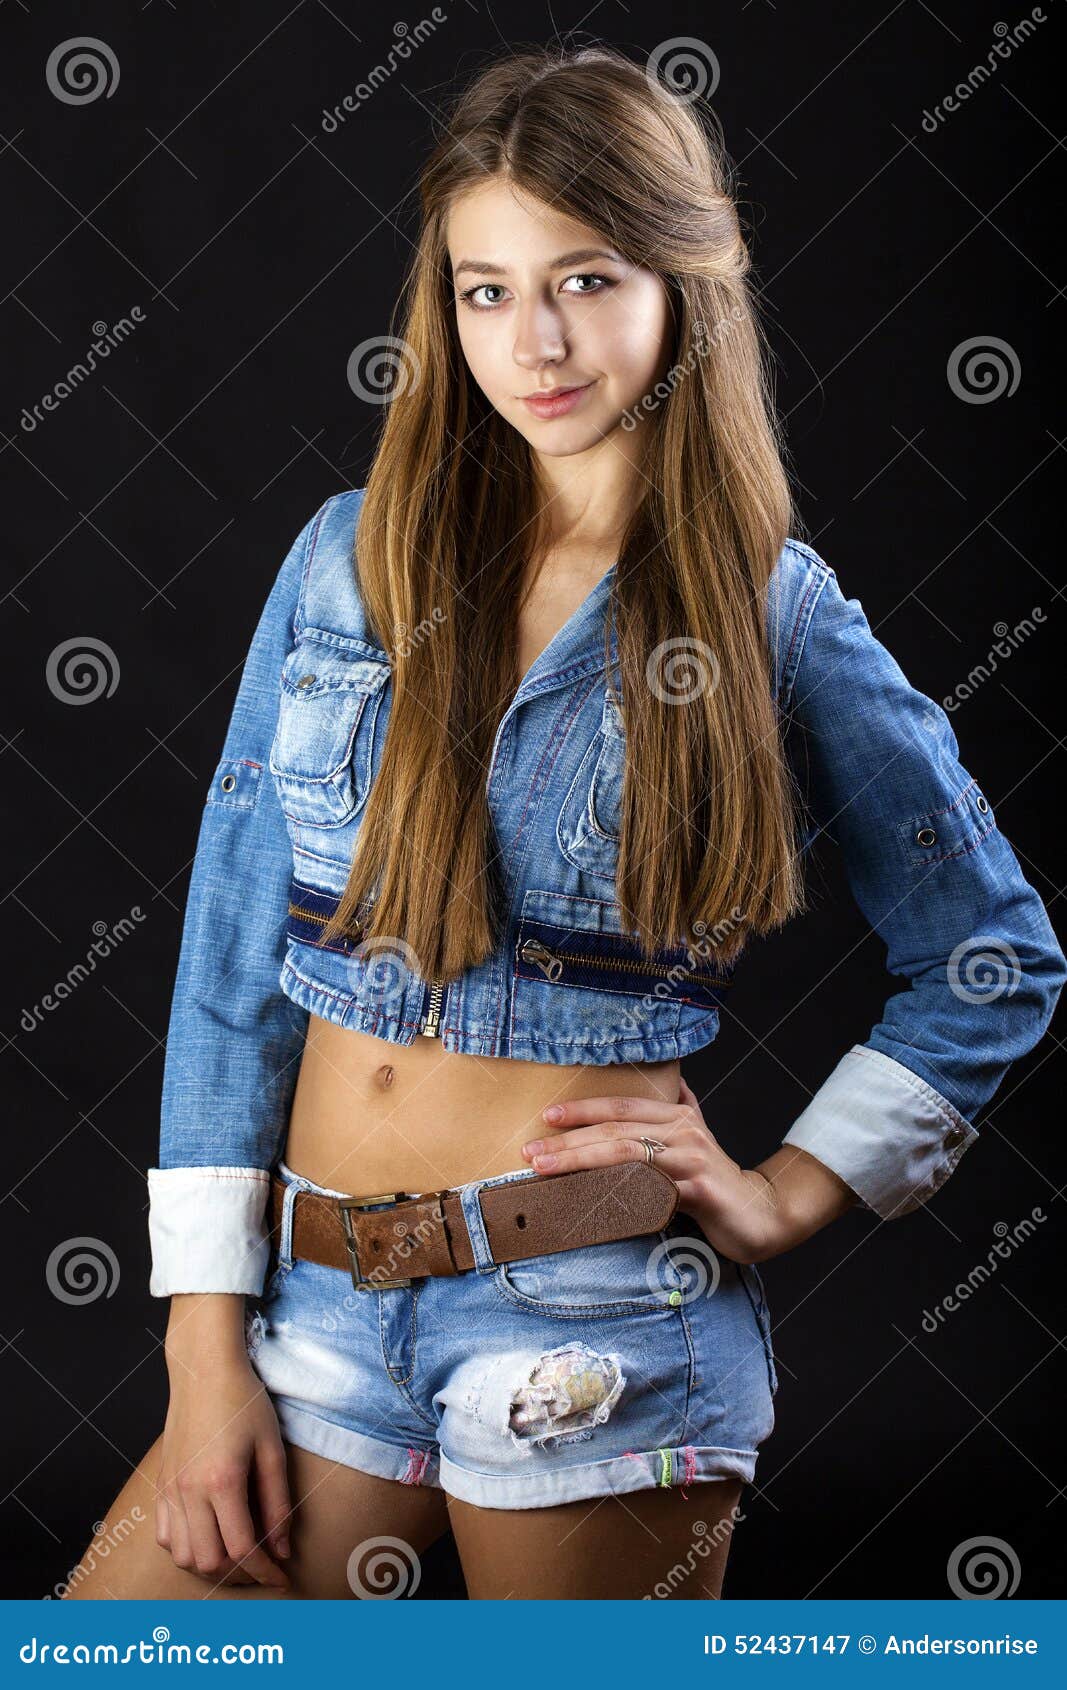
{"points": [[649, 1542], [335, 1510]]}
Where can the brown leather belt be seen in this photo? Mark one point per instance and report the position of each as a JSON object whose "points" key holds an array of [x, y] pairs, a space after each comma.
{"points": [[427, 1234]]}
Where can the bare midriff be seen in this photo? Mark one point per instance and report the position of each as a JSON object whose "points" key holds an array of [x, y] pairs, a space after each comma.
{"points": [[369, 1116]]}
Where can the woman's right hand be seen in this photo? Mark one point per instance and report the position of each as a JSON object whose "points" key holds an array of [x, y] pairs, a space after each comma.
{"points": [[223, 1505]]}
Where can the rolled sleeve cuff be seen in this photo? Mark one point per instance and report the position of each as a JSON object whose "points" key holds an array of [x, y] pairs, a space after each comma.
{"points": [[884, 1131], [206, 1230]]}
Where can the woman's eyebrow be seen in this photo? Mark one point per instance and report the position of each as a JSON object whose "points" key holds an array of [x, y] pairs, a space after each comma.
{"points": [[483, 266]]}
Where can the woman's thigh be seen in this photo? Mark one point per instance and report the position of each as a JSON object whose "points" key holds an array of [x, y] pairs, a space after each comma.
{"points": [[651, 1543], [337, 1513]]}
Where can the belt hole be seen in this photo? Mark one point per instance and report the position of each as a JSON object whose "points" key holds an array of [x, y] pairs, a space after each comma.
{"points": [[520, 1220]]}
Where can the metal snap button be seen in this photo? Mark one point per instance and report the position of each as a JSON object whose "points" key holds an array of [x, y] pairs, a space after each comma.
{"points": [[228, 782], [306, 680], [953, 1138], [926, 836], [982, 805]]}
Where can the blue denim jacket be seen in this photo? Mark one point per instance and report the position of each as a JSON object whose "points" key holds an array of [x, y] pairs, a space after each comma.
{"points": [[878, 767]]}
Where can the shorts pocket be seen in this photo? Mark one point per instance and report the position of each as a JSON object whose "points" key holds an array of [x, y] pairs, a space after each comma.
{"points": [[632, 1276], [322, 757], [753, 1282]]}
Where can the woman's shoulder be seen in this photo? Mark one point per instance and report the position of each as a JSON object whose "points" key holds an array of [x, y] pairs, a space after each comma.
{"points": [[330, 600], [797, 580]]}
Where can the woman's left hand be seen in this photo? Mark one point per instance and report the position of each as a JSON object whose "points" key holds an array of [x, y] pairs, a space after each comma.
{"points": [[736, 1208]]}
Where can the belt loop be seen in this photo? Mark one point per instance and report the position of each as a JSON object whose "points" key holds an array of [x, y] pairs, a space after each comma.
{"points": [[285, 1231], [472, 1214]]}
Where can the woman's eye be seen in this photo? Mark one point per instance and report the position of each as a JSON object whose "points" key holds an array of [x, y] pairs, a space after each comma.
{"points": [[468, 297], [585, 277], [489, 287]]}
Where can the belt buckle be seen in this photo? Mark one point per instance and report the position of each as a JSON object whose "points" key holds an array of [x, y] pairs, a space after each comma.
{"points": [[345, 1204]]}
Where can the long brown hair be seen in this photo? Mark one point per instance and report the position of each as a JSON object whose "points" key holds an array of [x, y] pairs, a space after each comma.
{"points": [[450, 517]]}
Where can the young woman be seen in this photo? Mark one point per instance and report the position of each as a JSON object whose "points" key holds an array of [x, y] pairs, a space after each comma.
{"points": [[531, 737]]}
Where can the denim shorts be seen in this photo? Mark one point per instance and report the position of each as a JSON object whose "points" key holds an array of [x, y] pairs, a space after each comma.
{"points": [[582, 1373]]}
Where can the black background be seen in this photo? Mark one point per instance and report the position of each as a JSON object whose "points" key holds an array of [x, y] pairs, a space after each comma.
{"points": [[151, 509]]}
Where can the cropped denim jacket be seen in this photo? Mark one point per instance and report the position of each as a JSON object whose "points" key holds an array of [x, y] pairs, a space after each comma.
{"points": [[879, 772]]}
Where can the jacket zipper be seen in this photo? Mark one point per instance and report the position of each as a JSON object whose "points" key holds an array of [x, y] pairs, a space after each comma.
{"points": [[551, 964], [431, 1021]]}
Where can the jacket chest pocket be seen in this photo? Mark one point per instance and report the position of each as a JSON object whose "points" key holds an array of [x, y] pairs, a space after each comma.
{"points": [[590, 817], [324, 750]]}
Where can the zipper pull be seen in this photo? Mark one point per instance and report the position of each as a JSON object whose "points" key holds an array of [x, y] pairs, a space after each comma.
{"points": [[547, 961], [432, 1020]]}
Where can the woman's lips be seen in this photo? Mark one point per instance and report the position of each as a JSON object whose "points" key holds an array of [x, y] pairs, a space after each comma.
{"points": [[555, 404]]}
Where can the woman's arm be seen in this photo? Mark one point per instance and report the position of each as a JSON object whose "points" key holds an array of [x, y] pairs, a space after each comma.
{"points": [[234, 1039], [940, 884], [942, 887]]}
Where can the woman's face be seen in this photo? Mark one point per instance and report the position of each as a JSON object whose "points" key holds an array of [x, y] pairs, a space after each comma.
{"points": [[544, 303]]}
